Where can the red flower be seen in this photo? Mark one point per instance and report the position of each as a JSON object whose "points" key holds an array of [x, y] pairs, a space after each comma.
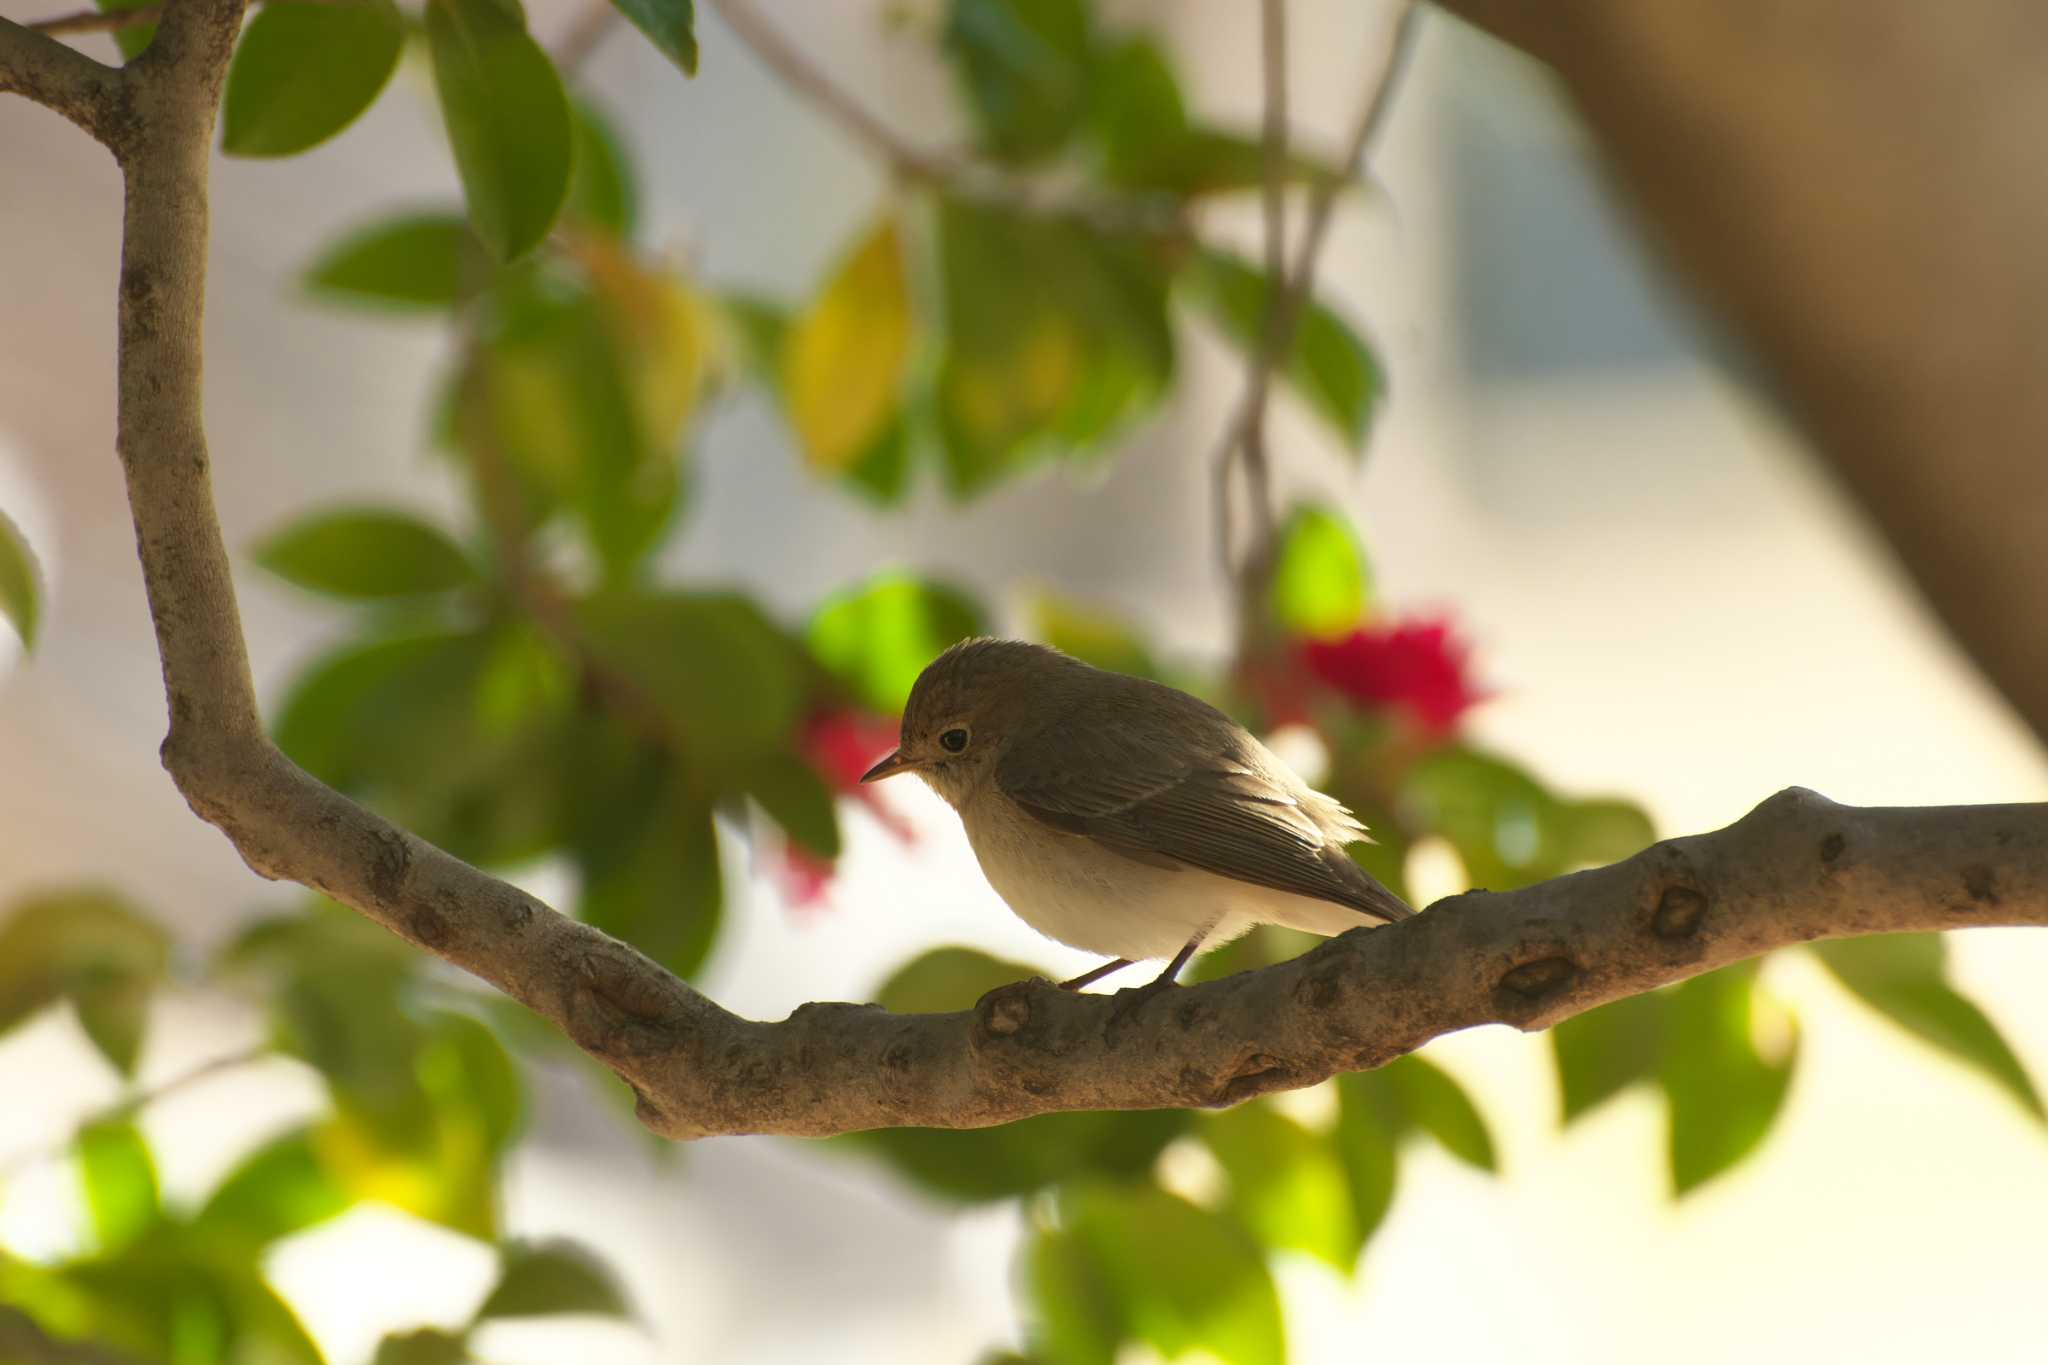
{"points": [[1414, 664], [840, 745]]}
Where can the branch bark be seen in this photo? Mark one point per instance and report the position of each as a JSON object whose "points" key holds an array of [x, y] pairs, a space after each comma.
{"points": [[1856, 186], [1796, 869], [63, 79]]}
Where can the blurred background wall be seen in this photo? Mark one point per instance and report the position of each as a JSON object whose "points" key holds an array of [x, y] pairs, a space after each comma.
{"points": [[1667, 600]]}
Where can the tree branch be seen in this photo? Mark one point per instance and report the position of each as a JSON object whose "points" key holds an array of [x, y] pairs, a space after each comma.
{"points": [[1798, 868], [98, 20], [60, 78], [1856, 187]]}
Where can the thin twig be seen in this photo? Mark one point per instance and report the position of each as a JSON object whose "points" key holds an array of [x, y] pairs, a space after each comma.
{"points": [[133, 1104], [1286, 299], [584, 33], [811, 81]]}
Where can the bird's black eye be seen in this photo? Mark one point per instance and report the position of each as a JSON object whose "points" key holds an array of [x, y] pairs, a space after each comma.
{"points": [[953, 741]]}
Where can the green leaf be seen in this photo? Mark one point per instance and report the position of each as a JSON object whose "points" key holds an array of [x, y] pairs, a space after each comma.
{"points": [[1328, 365], [656, 883], [1905, 978], [1055, 336], [92, 946], [671, 25], [1320, 585], [423, 1346], [366, 553], [727, 680], [1138, 116], [1158, 1270], [1598, 832], [131, 39], [1024, 66], [941, 980], [20, 583], [541, 1279], [1724, 1094], [601, 189], [876, 638], [507, 117], [1505, 825], [1078, 1319], [303, 72], [1090, 636], [978, 1165], [1289, 1186], [279, 1189], [845, 358], [1370, 1151], [1602, 1052], [1440, 1107], [470, 1079], [119, 1179], [794, 796], [417, 261], [756, 328]]}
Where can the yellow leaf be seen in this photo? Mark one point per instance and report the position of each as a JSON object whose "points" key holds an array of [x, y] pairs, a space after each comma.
{"points": [[663, 327], [843, 362]]}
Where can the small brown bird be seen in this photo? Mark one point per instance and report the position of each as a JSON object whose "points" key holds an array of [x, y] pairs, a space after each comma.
{"points": [[1124, 816]]}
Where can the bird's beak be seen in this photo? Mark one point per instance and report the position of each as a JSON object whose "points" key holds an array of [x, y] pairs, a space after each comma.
{"points": [[891, 765]]}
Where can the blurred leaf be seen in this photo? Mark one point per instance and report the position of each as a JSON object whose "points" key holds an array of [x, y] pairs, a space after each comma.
{"points": [[727, 680], [1440, 1107], [1288, 1185], [1090, 636], [279, 1189], [671, 25], [877, 637], [303, 72], [658, 885], [1320, 585], [540, 1279], [92, 946], [1504, 824], [422, 1346], [1139, 116], [942, 980], [119, 1180], [1055, 336], [1079, 1321], [1149, 144], [1905, 978], [131, 39], [20, 583], [1328, 365], [470, 1079], [1602, 1052], [366, 553], [601, 189], [1024, 67], [1368, 1144], [1168, 1274], [882, 470], [452, 735], [759, 328], [507, 117], [794, 796], [426, 260], [1605, 831], [845, 357], [1724, 1094]]}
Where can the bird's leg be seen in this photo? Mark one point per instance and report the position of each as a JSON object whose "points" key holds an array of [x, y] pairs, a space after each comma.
{"points": [[1089, 978], [1128, 1001]]}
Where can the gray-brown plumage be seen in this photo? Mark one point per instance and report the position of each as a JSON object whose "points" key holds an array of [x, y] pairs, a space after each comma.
{"points": [[1124, 816]]}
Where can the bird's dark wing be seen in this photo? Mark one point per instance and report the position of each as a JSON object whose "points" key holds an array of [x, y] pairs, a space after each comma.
{"points": [[1125, 774]]}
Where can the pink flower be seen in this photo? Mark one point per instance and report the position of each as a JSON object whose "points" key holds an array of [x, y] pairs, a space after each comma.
{"points": [[1417, 664]]}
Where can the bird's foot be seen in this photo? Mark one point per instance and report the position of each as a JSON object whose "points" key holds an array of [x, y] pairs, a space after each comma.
{"points": [[1129, 1002]]}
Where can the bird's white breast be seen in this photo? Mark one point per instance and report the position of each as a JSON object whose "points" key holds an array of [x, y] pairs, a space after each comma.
{"points": [[1070, 888]]}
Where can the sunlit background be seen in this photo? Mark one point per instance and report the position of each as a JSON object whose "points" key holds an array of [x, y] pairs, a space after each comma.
{"points": [[1667, 600]]}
